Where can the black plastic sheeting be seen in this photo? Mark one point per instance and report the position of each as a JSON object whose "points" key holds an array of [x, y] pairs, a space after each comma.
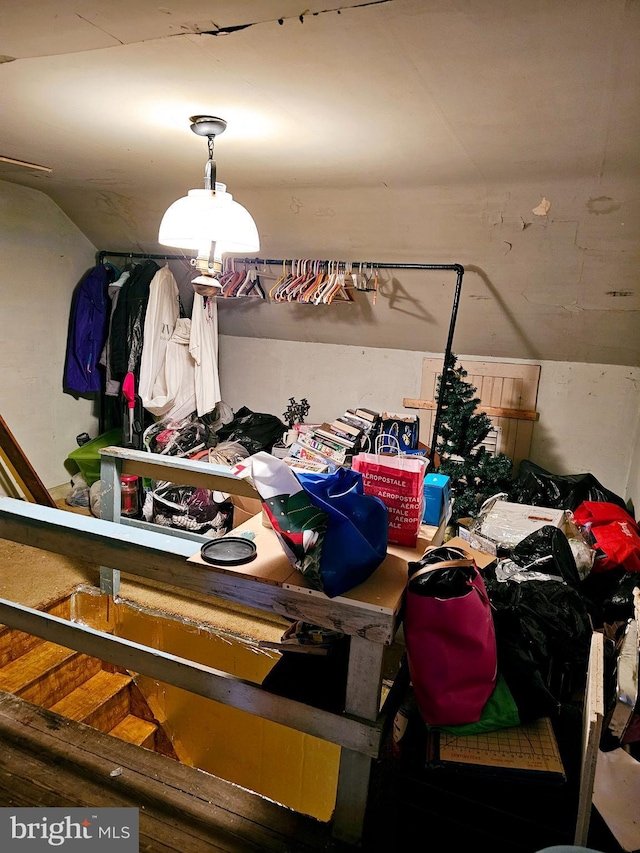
{"points": [[543, 628], [538, 487]]}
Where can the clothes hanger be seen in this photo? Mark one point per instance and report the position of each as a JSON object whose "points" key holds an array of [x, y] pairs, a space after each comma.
{"points": [[113, 270], [279, 281], [308, 294], [303, 284]]}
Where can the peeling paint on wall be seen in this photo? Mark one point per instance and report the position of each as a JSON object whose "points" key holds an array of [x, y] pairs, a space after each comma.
{"points": [[543, 208], [602, 204]]}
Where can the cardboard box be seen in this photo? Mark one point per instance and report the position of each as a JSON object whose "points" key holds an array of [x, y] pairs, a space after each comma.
{"points": [[437, 498], [483, 560], [473, 539], [244, 508]]}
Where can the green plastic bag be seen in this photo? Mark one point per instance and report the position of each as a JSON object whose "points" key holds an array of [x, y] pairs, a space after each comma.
{"points": [[500, 712]]}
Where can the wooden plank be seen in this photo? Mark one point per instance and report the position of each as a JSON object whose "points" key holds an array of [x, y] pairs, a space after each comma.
{"points": [[492, 411], [101, 701], [383, 591], [152, 781], [593, 716], [28, 781], [13, 643], [271, 565], [23, 471], [350, 810], [163, 558], [185, 472], [205, 681], [520, 446], [53, 684], [21, 673], [141, 708], [135, 730]]}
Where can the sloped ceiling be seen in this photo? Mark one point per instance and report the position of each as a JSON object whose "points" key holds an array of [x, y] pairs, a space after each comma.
{"points": [[399, 131]]}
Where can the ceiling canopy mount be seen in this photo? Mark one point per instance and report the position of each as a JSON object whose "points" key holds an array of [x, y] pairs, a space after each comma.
{"points": [[208, 125]]}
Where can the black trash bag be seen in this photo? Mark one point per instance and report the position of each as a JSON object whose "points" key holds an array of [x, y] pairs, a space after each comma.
{"points": [[318, 680], [443, 583], [254, 430], [547, 550], [538, 487], [543, 633], [451, 582], [610, 595]]}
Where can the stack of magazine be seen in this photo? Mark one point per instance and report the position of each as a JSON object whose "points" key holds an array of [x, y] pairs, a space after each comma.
{"points": [[334, 444]]}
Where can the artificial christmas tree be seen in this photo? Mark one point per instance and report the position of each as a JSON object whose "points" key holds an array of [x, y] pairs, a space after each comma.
{"points": [[475, 473]]}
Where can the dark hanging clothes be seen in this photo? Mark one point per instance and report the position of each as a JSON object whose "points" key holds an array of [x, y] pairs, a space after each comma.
{"points": [[88, 329], [127, 324]]}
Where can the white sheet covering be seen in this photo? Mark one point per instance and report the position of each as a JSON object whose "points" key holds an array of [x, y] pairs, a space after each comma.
{"points": [[204, 350], [163, 311]]}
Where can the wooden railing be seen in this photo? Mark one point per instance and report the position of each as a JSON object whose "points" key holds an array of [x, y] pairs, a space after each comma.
{"points": [[142, 550]]}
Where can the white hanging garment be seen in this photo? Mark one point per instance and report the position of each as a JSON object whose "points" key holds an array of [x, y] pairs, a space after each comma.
{"points": [[163, 311], [204, 349], [175, 389]]}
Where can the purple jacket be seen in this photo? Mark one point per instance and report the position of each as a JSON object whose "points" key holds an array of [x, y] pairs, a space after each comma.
{"points": [[88, 329]]}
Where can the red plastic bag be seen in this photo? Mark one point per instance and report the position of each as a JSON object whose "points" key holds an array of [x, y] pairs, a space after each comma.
{"points": [[399, 482], [450, 637], [614, 534]]}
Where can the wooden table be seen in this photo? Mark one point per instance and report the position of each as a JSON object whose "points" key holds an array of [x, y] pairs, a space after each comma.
{"points": [[369, 614]]}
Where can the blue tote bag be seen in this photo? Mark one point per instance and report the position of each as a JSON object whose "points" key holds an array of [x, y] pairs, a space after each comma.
{"points": [[355, 542]]}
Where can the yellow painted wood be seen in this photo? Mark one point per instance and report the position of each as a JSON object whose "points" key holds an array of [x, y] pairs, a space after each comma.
{"points": [[57, 682], [101, 702], [134, 730], [21, 673], [14, 643]]}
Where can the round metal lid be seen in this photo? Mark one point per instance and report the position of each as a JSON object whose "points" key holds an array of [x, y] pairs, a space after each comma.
{"points": [[229, 551]]}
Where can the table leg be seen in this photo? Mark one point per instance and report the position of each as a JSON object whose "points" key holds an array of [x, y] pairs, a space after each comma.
{"points": [[364, 683], [110, 470]]}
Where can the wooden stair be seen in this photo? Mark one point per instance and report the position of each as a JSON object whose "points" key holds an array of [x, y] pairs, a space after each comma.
{"points": [[78, 687]]}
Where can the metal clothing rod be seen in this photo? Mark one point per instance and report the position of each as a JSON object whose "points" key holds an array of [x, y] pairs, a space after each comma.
{"points": [[457, 268], [279, 261]]}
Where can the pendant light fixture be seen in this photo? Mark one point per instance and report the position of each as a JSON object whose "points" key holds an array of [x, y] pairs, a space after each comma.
{"points": [[209, 221]]}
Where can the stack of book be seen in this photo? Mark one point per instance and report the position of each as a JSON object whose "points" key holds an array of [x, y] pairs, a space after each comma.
{"points": [[338, 441], [369, 423]]}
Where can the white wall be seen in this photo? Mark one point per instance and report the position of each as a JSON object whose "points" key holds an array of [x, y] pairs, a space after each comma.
{"points": [[588, 413], [42, 257], [589, 423]]}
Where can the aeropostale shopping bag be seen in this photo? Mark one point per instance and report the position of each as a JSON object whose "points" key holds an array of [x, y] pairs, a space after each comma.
{"points": [[399, 482]]}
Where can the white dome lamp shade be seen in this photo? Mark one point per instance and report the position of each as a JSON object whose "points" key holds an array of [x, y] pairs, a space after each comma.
{"points": [[209, 221]]}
